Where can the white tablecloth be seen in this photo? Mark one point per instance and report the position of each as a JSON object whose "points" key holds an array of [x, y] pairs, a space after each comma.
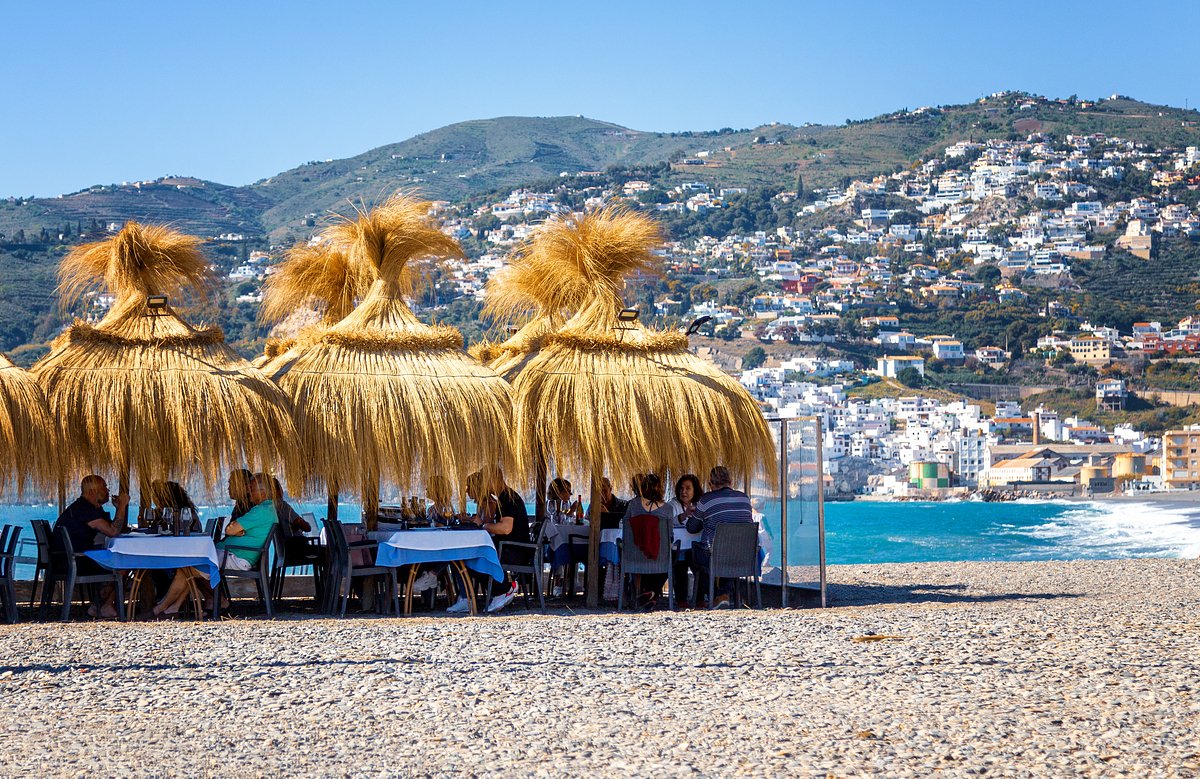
{"points": [[432, 540], [142, 551]]}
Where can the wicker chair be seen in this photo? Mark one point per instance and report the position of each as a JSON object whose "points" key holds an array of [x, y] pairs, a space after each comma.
{"points": [[735, 556], [634, 561]]}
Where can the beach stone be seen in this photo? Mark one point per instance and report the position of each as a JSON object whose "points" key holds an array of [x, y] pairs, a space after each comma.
{"points": [[1005, 669]]}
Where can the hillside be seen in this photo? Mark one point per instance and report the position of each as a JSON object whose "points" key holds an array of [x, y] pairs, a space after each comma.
{"points": [[469, 158]]}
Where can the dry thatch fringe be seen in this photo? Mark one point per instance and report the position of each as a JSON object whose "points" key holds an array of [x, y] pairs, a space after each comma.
{"points": [[382, 398], [83, 333], [28, 447], [622, 411], [139, 260], [146, 399], [484, 351], [597, 250], [536, 281], [601, 397], [632, 339], [317, 275], [147, 394], [437, 338]]}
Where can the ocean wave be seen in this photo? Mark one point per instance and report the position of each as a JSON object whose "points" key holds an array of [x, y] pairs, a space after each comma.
{"points": [[1121, 529]]}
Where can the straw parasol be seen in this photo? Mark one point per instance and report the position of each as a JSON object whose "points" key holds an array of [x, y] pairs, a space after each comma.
{"points": [[147, 393], [28, 449], [382, 398], [315, 285], [536, 287], [606, 395]]}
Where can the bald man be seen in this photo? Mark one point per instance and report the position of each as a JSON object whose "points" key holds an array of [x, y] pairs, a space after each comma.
{"points": [[84, 519]]}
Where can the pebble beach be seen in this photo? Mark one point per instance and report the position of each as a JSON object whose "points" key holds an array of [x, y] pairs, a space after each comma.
{"points": [[1087, 668]]}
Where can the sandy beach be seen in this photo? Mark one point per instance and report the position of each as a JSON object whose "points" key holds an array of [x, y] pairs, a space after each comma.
{"points": [[948, 669]]}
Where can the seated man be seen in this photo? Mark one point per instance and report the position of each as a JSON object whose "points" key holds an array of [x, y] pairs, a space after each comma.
{"points": [[84, 520], [721, 503]]}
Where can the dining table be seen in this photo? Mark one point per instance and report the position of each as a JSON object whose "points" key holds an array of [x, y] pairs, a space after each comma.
{"points": [[141, 552], [465, 550]]}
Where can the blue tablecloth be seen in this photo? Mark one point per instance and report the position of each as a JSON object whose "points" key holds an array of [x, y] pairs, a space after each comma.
{"points": [[435, 545], [137, 551]]}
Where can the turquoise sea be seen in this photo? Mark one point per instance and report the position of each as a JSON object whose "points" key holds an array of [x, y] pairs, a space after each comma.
{"points": [[911, 532]]}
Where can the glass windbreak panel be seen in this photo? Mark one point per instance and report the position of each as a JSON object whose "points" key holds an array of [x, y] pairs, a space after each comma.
{"points": [[764, 494], [805, 534]]}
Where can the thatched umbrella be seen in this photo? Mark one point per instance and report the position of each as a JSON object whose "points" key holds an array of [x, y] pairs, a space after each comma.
{"points": [[315, 286], [603, 395], [533, 286], [29, 453], [144, 391], [382, 398]]}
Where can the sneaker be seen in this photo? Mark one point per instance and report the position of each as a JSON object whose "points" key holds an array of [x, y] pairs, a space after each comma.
{"points": [[721, 602], [500, 601], [426, 581], [460, 607]]}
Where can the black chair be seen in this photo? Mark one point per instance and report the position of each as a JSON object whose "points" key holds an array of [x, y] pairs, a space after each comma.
{"points": [[735, 556], [270, 557], [41, 535], [10, 536], [343, 571], [525, 560], [634, 561], [300, 551], [64, 567]]}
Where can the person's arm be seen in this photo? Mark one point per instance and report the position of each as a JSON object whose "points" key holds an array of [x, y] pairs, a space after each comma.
{"points": [[113, 528], [501, 527]]}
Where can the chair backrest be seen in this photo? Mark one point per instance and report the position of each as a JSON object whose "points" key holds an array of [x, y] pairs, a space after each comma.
{"points": [[274, 548], [9, 539], [41, 534], [633, 560], [335, 539], [735, 549], [65, 556]]}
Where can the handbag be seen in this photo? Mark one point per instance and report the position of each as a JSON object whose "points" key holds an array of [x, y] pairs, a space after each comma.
{"points": [[694, 524]]}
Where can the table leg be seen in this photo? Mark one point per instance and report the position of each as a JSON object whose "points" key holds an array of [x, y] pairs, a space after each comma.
{"points": [[408, 589], [470, 590], [134, 586], [197, 601]]}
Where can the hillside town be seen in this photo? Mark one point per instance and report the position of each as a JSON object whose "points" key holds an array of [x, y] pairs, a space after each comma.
{"points": [[1001, 222]]}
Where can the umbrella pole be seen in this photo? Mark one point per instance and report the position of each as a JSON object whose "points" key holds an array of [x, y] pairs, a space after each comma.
{"points": [[331, 504], [123, 489], [371, 505], [539, 491], [593, 567]]}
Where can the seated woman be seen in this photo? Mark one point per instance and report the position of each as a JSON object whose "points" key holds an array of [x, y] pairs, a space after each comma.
{"points": [[560, 507], [171, 495], [649, 500], [241, 549], [687, 492]]}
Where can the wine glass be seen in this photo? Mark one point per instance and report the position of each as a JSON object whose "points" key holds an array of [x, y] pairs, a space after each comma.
{"points": [[187, 517], [168, 521]]}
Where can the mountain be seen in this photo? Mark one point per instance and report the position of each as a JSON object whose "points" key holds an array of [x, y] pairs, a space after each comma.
{"points": [[471, 158], [450, 163]]}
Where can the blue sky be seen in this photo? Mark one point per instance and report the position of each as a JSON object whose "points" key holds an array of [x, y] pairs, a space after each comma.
{"points": [[96, 93]]}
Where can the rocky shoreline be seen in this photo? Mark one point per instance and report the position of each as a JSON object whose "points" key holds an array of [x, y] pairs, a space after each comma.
{"points": [[955, 669]]}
